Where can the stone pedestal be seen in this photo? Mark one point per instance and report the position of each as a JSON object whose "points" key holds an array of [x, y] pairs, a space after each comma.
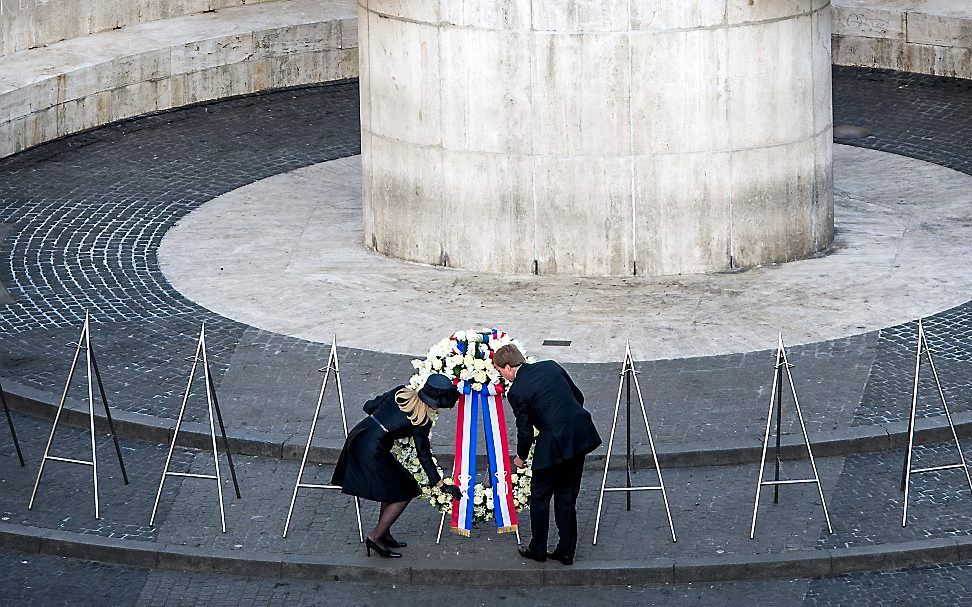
{"points": [[596, 137]]}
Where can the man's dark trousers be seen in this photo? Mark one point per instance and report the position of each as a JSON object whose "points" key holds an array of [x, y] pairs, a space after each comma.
{"points": [[562, 483]]}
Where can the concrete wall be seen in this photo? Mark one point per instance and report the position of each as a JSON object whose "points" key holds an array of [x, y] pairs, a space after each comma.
{"points": [[923, 36], [592, 135], [49, 92], [28, 24]]}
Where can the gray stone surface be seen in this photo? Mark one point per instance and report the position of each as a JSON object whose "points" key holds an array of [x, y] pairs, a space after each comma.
{"points": [[615, 138], [102, 243], [98, 205], [30, 23], [924, 36], [81, 583], [711, 507], [913, 123], [175, 54], [887, 395], [866, 504], [272, 384], [902, 227]]}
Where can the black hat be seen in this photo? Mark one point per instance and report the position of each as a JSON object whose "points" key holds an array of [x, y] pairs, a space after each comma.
{"points": [[438, 392]]}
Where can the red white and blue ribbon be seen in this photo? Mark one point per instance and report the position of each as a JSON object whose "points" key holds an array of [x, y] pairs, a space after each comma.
{"points": [[489, 400]]}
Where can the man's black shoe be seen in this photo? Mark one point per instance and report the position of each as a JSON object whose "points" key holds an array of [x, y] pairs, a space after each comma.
{"points": [[529, 554], [566, 559]]}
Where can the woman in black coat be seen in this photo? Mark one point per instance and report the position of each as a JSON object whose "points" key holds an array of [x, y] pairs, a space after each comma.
{"points": [[366, 467]]}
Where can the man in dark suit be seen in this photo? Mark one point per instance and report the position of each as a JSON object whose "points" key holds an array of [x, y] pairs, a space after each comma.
{"points": [[544, 397]]}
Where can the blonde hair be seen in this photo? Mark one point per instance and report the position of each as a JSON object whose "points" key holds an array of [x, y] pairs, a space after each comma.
{"points": [[414, 407]]}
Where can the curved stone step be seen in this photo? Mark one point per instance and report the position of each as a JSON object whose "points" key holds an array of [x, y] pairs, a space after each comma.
{"points": [[92, 80], [923, 36], [857, 439], [796, 564]]}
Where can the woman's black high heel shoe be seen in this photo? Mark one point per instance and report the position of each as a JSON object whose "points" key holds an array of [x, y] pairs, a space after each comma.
{"points": [[391, 542], [385, 552]]}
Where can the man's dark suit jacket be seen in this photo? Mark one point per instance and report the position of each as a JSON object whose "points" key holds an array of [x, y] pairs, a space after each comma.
{"points": [[544, 396]]}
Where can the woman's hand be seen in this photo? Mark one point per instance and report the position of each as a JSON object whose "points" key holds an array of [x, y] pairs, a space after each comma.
{"points": [[452, 490]]}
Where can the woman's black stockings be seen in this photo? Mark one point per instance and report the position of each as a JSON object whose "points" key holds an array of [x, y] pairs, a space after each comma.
{"points": [[390, 511]]}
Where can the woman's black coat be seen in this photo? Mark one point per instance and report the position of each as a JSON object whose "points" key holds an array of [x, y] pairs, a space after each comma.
{"points": [[366, 467]]}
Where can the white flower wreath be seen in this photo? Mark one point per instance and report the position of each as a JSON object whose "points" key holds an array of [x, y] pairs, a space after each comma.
{"points": [[466, 356]]}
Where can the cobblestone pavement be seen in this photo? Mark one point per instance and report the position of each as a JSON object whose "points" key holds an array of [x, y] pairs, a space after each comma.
{"points": [[928, 118], [925, 117], [69, 582], [30, 579], [720, 398], [711, 506], [937, 586], [717, 500], [65, 497], [866, 503], [86, 213]]}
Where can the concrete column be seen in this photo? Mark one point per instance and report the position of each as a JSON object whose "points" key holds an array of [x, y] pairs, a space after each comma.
{"points": [[596, 137]]}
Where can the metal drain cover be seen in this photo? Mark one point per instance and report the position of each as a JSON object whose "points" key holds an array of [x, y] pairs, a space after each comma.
{"points": [[849, 131]]}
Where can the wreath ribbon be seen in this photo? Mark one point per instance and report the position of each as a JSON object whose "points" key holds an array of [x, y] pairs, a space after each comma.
{"points": [[490, 401]]}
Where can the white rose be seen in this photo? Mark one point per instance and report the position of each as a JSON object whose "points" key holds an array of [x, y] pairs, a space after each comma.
{"points": [[460, 335], [477, 387], [480, 377], [442, 348], [484, 348], [478, 500], [437, 364], [514, 477]]}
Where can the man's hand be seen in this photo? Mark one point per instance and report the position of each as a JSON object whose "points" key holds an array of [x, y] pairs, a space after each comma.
{"points": [[518, 462]]}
